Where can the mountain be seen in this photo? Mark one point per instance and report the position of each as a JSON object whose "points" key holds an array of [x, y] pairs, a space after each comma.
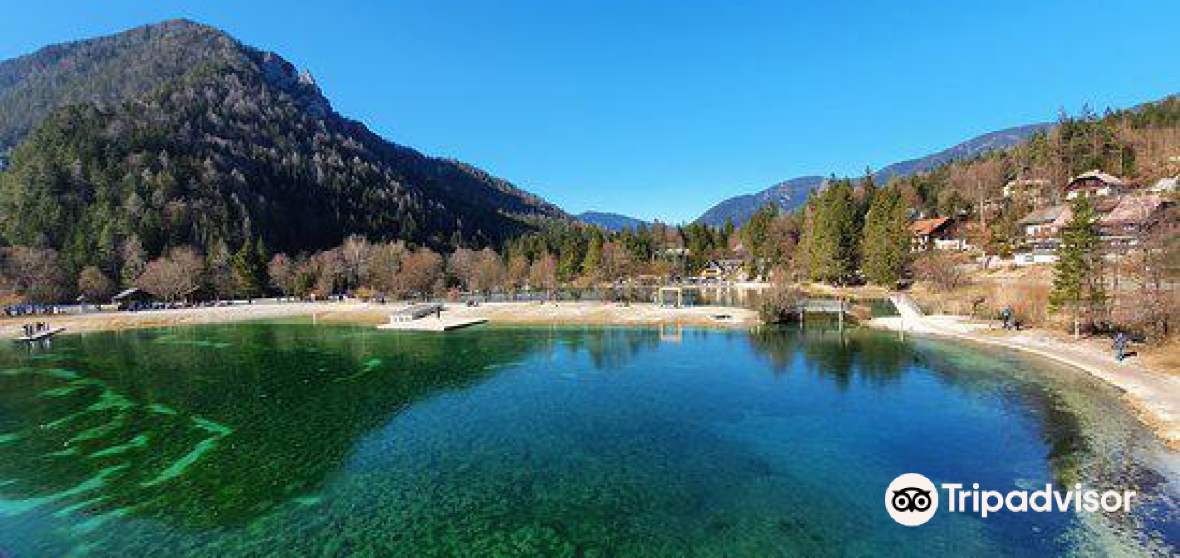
{"points": [[176, 133], [610, 221], [792, 194], [789, 195], [978, 145], [102, 70]]}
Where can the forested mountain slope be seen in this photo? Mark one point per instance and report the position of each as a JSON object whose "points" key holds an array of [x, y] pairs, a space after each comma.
{"points": [[210, 143]]}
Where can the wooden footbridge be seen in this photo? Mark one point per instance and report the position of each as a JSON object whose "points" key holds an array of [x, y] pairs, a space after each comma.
{"points": [[836, 306]]}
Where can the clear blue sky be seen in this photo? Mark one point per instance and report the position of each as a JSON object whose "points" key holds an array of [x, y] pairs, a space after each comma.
{"points": [[660, 109]]}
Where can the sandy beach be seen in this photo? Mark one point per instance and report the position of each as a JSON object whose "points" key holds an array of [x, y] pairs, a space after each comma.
{"points": [[588, 313], [1153, 393]]}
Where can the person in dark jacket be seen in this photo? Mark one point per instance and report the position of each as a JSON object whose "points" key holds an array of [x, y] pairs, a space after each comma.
{"points": [[1120, 346]]}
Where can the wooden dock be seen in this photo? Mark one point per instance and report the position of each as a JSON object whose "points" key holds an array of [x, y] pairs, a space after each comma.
{"points": [[415, 312], [39, 335], [431, 324]]}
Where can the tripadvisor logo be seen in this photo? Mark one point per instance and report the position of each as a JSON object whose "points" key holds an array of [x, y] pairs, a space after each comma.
{"points": [[912, 499]]}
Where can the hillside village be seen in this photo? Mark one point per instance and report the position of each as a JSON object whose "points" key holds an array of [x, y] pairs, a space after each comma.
{"points": [[1127, 213]]}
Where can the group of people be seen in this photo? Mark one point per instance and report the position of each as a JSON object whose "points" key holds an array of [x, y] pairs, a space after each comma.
{"points": [[29, 310], [1009, 317], [1121, 340], [33, 329]]}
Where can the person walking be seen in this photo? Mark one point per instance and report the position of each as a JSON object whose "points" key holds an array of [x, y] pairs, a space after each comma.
{"points": [[1006, 315], [1120, 346]]}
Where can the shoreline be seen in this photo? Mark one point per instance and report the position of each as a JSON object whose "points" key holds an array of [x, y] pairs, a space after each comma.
{"points": [[367, 313], [1152, 394]]}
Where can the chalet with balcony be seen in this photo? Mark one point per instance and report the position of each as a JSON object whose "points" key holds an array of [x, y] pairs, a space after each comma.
{"points": [[1094, 184], [924, 233], [1042, 234]]}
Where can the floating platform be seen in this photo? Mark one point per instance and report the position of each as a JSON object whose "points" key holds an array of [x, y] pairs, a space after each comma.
{"points": [[416, 312], [43, 334], [432, 324]]}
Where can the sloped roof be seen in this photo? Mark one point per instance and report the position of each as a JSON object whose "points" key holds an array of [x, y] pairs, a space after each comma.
{"points": [[1064, 218], [125, 293], [1134, 210], [1043, 215], [1105, 178], [924, 227], [1166, 184]]}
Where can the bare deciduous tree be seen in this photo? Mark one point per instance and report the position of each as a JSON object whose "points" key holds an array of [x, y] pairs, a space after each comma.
{"points": [[488, 272], [94, 285], [282, 274], [461, 266], [385, 261], [518, 272], [354, 259], [421, 272], [543, 273], [174, 275], [35, 274]]}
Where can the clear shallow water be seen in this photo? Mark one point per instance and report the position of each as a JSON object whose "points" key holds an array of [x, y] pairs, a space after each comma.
{"points": [[293, 439]]}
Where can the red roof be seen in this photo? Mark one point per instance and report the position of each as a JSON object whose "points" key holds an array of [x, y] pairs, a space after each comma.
{"points": [[925, 227]]}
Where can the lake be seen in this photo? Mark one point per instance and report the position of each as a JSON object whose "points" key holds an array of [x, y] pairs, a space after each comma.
{"points": [[290, 438]]}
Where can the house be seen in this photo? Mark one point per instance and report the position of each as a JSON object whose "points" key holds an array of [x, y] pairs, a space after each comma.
{"points": [[1042, 234], [1094, 184], [1043, 226], [925, 233], [1126, 224], [723, 270]]}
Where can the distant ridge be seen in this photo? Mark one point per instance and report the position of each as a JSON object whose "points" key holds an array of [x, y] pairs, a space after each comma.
{"points": [[789, 195], [610, 221], [792, 194]]}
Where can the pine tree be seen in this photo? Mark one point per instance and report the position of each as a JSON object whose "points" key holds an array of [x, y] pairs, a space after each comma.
{"points": [[592, 263], [249, 269], [886, 239], [833, 235], [1077, 277]]}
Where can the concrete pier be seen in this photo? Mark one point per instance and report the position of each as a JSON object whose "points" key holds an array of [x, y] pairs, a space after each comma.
{"points": [[432, 324]]}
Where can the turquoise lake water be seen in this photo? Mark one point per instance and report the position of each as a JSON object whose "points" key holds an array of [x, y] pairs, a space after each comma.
{"points": [[294, 439]]}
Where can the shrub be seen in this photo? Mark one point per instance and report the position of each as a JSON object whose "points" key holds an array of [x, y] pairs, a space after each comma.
{"points": [[779, 303]]}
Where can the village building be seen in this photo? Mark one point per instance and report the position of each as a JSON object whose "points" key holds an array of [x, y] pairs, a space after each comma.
{"points": [[1042, 234], [726, 269], [1133, 217], [939, 233], [1094, 184]]}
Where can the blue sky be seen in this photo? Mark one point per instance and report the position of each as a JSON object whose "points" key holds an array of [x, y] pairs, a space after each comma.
{"points": [[661, 109]]}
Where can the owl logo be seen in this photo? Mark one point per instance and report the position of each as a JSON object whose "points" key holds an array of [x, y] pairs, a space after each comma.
{"points": [[912, 499]]}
